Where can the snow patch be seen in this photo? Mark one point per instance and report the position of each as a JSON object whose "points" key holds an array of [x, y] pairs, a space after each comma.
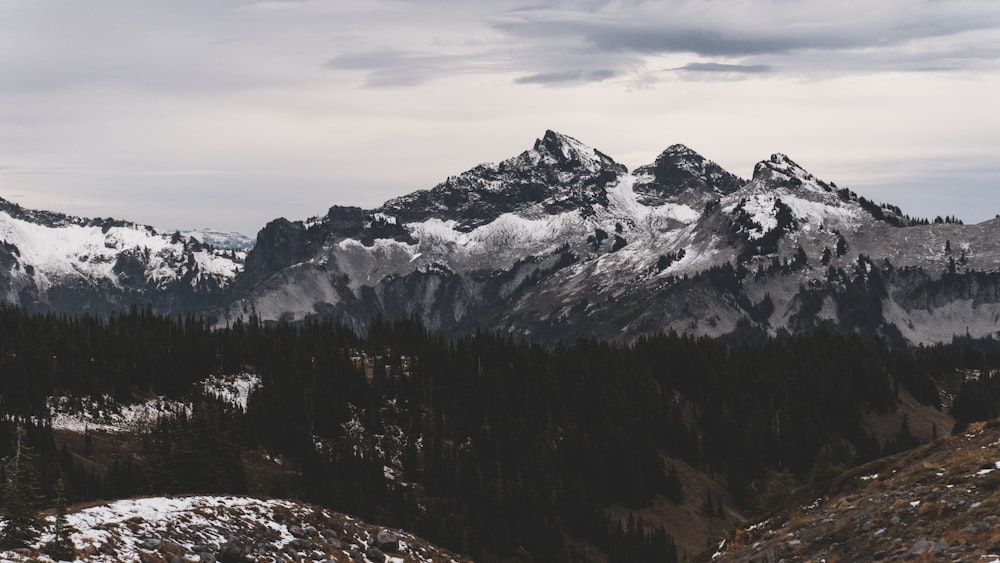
{"points": [[104, 414], [234, 390], [80, 414]]}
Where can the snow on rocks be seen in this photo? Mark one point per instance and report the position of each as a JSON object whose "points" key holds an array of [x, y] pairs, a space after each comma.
{"points": [[226, 528]]}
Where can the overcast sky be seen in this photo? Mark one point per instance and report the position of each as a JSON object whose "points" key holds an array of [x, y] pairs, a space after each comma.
{"points": [[229, 113]]}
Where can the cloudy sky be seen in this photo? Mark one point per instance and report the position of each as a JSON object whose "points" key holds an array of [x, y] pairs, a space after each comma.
{"points": [[228, 113]]}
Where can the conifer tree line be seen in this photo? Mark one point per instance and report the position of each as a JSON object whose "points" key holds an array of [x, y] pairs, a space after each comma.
{"points": [[504, 446]]}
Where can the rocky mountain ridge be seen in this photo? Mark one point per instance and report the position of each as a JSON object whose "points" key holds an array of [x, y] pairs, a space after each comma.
{"points": [[561, 241]]}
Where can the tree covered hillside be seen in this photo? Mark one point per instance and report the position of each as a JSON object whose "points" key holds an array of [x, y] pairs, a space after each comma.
{"points": [[489, 446]]}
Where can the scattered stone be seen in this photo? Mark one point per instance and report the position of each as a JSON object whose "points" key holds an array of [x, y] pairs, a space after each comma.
{"points": [[866, 526], [300, 544], [387, 541], [976, 528], [150, 544], [920, 548], [895, 520], [206, 558], [296, 532], [375, 555], [792, 544], [940, 547], [232, 552]]}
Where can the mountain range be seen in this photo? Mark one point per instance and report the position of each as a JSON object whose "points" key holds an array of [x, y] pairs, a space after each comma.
{"points": [[558, 242]]}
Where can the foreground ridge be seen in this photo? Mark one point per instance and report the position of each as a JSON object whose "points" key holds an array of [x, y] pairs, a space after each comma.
{"points": [[938, 501], [228, 528]]}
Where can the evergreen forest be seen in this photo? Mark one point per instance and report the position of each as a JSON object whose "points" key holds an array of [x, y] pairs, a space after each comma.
{"points": [[493, 447]]}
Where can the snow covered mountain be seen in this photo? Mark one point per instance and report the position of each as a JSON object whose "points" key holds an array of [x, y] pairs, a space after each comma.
{"points": [[220, 240], [561, 241], [54, 262]]}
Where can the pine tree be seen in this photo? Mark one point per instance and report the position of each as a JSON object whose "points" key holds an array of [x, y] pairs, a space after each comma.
{"points": [[61, 547], [21, 498]]}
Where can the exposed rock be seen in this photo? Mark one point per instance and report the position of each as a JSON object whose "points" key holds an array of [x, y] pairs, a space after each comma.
{"points": [[151, 544], [375, 555], [387, 541], [919, 548]]}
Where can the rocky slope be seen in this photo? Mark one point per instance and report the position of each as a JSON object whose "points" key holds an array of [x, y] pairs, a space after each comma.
{"points": [[555, 243], [227, 529], [938, 502]]}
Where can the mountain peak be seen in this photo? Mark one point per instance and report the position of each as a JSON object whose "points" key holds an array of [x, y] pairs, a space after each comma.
{"points": [[558, 174], [566, 150], [679, 150], [781, 170], [681, 175]]}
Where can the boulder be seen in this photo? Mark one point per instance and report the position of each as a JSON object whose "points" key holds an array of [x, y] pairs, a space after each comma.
{"points": [[375, 555], [387, 541]]}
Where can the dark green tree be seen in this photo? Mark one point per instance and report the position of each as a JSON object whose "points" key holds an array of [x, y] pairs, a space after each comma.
{"points": [[61, 547], [21, 497]]}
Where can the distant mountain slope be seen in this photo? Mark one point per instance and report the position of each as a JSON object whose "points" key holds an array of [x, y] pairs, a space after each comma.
{"points": [[220, 240], [555, 243], [54, 262]]}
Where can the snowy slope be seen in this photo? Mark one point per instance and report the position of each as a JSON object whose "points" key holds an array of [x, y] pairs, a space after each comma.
{"points": [[225, 528], [561, 241], [60, 262]]}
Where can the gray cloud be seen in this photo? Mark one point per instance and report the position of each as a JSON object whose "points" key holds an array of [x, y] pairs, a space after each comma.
{"points": [[568, 76], [720, 67], [540, 41], [132, 102], [397, 68], [747, 30]]}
